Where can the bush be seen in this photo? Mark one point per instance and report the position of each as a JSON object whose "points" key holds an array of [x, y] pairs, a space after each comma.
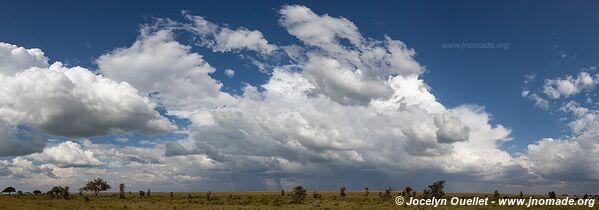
{"points": [[407, 191], [59, 191], [521, 195], [435, 190], [552, 195], [299, 194], [366, 190], [496, 194], [122, 191], [388, 193], [37, 192], [317, 195], [342, 191]]}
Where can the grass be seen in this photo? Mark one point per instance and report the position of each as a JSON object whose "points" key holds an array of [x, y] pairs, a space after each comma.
{"points": [[231, 200]]}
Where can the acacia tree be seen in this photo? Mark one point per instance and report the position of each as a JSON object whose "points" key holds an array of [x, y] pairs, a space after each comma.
{"points": [[96, 186], [37, 192], [122, 191], [9, 190], [435, 190]]}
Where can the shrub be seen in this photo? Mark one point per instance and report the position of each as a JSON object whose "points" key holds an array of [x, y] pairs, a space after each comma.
{"points": [[96, 186], [366, 190], [435, 190], [208, 195], [37, 192], [317, 195], [342, 191], [407, 191], [59, 191], [552, 195], [496, 194], [521, 195], [148, 194], [122, 191], [388, 193], [299, 194], [142, 193]]}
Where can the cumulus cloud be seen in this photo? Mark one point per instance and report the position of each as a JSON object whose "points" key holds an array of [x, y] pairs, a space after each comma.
{"points": [[538, 100], [15, 59], [229, 73], [158, 65], [352, 71], [67, 154], [572, 158], [570, 85], [224, 39], [76, 102]]}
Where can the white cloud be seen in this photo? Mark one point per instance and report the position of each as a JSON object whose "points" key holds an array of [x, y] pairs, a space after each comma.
{"points": [[76, 102], [352, 72], [569, 86], [156, 64], [67, 154], [224, 39], [229, 73], [363, 106], [15, 59]]}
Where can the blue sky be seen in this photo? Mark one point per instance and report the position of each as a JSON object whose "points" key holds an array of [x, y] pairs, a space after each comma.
{"points": [[547, 39]]}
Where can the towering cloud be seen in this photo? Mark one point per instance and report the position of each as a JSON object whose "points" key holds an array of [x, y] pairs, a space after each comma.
{"points": [[343, 104]]}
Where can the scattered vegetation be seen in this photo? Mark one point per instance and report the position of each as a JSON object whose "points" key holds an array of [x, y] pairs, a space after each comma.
{"points": [[59, 198]]}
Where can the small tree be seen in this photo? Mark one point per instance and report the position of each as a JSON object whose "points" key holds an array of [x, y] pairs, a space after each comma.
{"points": [[366, 190], [342, 191], [435, 190], [552, 195], [317, 195], [122, 191], [388, 192], [496, 194], [407, 191], [96, 186], [521, 195], [299, 194], [64, 192], [148, 194], [37, 192], [282, 192], [142, 193], [9, 190]]}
